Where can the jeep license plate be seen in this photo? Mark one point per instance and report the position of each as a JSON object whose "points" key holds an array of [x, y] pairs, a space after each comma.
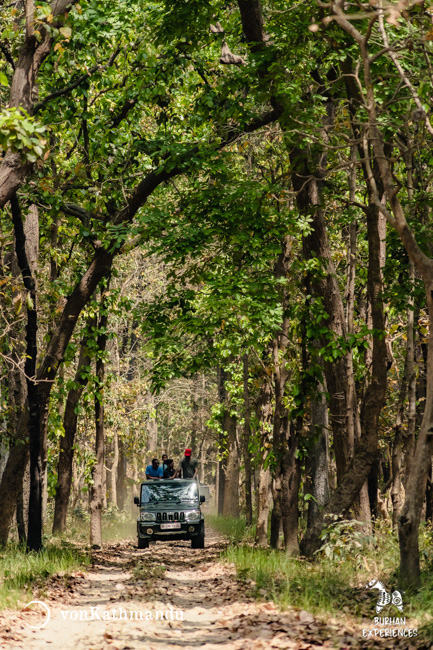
{"points": [[175, 524]]}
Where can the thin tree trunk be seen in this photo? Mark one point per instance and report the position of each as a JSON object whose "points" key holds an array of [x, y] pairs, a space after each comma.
{"points": [[114, 466], [290, 483], [96, 490], [66, 454], [231, 483], [276, 514], [195, 413], [407, 387], [246, 442], [264, 417], [121, 476], [263, 502], [22, 506], [410, 516], [319, 455], [222, 461], [11, 487], [429, 496], [16, 460], [34, 540]]}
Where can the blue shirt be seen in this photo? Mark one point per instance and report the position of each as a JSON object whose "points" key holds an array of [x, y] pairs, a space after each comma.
{"points": [[155, 472]]}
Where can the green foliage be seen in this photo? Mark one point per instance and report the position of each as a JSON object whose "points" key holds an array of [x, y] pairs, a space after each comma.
{"points": [[21, 134], [343, 538]]}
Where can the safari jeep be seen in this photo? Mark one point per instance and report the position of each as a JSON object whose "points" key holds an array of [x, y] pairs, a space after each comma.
{"points": [[170, 509]]}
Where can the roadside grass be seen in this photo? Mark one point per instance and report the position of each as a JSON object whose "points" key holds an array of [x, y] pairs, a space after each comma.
{"points": [[335, 583], [22, 572], [236, 530]]}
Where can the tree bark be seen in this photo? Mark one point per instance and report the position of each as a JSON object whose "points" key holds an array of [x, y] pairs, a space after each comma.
{"points": [[231, 483], [114, 467], [22, 506], [195, 423], [97, 487], [13, 170], [34, 539], [290, 483], [121, 476], [246, 443], [264, 417], [319, 455], [11, 486], [66, 454]]}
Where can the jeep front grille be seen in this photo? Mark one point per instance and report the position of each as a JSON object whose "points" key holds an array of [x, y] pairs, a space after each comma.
{"points": [[170, 516]]}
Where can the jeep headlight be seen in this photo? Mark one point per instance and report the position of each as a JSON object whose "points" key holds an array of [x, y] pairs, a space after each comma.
{"points": [[192, 514], [147, 516]]}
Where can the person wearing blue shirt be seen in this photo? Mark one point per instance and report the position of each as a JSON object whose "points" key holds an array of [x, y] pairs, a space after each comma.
{"points": [[154, 471]]}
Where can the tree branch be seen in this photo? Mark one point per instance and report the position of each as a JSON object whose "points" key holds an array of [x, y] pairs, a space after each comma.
{"points": [[403, 75], [67, 89]]}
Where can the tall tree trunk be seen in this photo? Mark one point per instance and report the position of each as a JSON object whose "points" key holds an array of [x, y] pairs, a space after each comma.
{"points": [[66, 454], [319, 455], [23, 506], [11, 486], [290, 483], [407, 387], [231, 483], [429, 496], [96, 489], [221, 473], [15, 463], [246, 443], [121, 476], [264, 417], [195, 423], [220, 478], [34, 540], [410, 516], [114, 466]]}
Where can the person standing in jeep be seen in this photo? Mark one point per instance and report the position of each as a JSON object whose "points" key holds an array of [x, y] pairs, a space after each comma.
{"points": [[189, 465]]}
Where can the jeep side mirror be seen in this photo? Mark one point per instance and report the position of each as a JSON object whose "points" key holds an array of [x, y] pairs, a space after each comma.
{"points": [[136, 501], [202, 498]]}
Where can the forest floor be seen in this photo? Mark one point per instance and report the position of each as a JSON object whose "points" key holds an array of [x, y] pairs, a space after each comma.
{"points": [[202, 602]]}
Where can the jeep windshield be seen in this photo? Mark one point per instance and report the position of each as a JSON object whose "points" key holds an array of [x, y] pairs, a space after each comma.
{"points": [[155, 492]]}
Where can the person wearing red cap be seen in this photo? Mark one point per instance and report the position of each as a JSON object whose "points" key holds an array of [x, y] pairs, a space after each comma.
{"points": [[189, 465]]}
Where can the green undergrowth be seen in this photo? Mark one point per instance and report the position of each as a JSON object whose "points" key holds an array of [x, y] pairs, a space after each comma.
{"points": [[236, 530], [22, 574], [335, 583]]}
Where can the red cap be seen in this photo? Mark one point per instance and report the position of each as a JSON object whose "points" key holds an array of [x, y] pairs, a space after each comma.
{"points": [[187, 452]]}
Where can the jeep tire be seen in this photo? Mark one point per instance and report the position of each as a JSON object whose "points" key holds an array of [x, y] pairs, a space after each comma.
{"points": [[198, 540], [142, 543]]}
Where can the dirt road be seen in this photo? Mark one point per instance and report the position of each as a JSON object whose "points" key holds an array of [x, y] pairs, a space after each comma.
{"points": [[167, 596]]}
